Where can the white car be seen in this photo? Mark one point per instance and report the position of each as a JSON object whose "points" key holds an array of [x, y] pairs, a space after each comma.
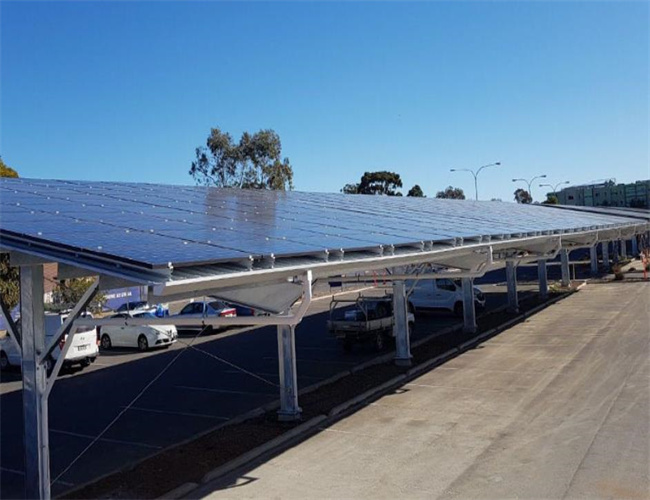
{"points": [[441, 293], [83, 351], [205, 309], [142, 337]]}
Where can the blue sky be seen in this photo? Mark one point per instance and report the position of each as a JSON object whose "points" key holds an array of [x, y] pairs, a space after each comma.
{"points": [[126, 90]]}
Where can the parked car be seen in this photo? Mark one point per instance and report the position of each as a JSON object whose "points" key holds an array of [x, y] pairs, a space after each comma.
{"points": [[135, 306], [368, 319], [204, 309], [440, 294], [83, 351], [138, 306], [246, 311], [141, 337]]}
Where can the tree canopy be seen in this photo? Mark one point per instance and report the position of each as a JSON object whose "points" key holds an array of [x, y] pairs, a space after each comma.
{"points": [[382, 182], [68, 292], [451, 193], [254, 163], [551, 199], [6, 170], [523, 196], [416, 191], [9, 276]]}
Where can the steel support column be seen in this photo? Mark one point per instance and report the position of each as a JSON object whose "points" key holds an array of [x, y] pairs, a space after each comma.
{"points": [[469, 311], [593, 257], [542, 278], [623, 246], [35, 416], [289, 409], [401, 327], [511, 278], [615, 254], [564, 258], [605, 250], [635, 246]]}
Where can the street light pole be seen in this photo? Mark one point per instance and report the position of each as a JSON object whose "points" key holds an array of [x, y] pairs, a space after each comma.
{"points": [[475, 174], [530, 183], [554, 188]]}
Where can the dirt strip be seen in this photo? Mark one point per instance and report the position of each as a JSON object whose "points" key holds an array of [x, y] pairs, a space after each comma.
{"points": [[191, 461]]}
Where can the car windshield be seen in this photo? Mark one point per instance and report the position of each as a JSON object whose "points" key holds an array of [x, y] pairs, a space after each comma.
{"points": [[131, 305], [217, 304], [145, 315]]}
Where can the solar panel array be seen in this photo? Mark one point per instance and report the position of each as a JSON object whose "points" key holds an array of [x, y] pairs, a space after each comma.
{"points": [[153, 225]]}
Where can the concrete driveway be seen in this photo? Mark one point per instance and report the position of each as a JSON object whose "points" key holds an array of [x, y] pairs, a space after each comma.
{"points": [[555, 407]]}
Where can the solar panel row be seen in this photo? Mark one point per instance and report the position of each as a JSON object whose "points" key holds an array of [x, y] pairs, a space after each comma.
{"points": [[153, 224]]}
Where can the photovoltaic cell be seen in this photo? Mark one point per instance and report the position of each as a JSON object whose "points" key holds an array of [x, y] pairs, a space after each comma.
{"points": [[154, 225]]}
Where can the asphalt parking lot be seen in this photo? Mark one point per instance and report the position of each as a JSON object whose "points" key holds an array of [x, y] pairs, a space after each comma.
{"points": [[230, 374], [554, 407]]}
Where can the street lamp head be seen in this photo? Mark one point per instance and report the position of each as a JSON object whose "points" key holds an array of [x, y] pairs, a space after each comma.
{"points": [[452, 169], [543, 176], [498, 163]]}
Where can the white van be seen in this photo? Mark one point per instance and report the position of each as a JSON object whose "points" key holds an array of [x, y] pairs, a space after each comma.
{"points": [[83, 351], [440, 294]]}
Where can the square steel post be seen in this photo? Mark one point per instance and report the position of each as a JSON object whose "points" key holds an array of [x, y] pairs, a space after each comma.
{"points": [[593, 257], [542, 278], [605, 250], [35, 416], [564, 258], [615, 254], [401, 327], [289, 409], [635, 246], [511, 278], [469, 310], [623, 245]]}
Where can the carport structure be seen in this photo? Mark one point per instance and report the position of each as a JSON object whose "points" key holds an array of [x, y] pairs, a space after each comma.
{"points": [[262, 249]]}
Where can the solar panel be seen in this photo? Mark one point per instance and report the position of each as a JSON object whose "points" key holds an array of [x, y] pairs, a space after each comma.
{"points": [[153, 225]]}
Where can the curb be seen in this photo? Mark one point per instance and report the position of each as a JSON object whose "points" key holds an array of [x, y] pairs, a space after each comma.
{"points": [[427, 365], [365, 396], [179, 492], [273, 445]]}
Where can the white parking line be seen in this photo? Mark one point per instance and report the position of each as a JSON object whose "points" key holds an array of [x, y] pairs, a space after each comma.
{"points": [[107, 440], [181, 413], [224, 391], [21, 473]]}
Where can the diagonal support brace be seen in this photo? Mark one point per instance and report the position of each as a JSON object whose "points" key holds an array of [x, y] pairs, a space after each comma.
{"points": [[67, 324]]}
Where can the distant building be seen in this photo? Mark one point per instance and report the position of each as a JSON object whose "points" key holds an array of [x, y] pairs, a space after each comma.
{"points": [[607, 194]]}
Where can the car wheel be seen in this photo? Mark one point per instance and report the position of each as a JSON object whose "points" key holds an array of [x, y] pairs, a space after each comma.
{"points": [[379, 342], [458, 309], [106, 342], [143, 343], [4, 361], [85, 362]]}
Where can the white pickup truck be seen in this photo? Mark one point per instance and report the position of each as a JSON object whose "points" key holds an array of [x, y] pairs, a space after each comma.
{"points": [[83, 351], [364, 319]]}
